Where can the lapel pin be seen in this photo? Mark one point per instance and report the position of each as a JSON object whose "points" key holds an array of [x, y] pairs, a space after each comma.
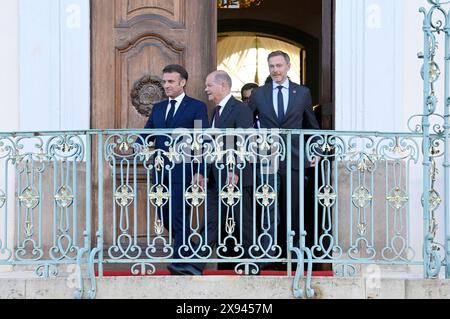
{"points": [[294, 91]]}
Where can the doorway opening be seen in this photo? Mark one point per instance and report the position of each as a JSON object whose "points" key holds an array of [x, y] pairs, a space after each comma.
{"points": [[244, 57], [307, 25]]}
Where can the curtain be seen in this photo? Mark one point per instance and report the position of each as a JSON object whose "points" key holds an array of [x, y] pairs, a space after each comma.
{"points": [[245, 59]]}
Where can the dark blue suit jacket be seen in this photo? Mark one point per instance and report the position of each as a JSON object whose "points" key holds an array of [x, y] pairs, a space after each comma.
{"points": [[191, 113], [234, 115], [299, 113]]}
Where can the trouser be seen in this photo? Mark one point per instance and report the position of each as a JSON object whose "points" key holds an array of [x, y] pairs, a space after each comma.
{"points": [[177, 202], [275, 216], [229, 229]]}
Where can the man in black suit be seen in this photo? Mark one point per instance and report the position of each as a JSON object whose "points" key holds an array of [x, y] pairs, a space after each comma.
{"points": [[285, 105], [221, 212], [246, 92]]}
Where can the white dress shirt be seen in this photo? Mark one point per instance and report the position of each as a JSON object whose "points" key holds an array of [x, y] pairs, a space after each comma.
{"points": [[284, 91]]}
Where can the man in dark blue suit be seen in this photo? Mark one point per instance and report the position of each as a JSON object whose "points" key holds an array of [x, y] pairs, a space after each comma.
{"points": [[285, 105], [235, 224], [179, 111], [225, 214]]}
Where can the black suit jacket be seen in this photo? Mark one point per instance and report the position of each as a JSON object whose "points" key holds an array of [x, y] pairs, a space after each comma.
{"points": [[299, 113], [235, 115]]}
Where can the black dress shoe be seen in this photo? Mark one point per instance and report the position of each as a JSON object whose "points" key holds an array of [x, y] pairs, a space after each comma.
{"points": [[273, 266], [183, 270]]}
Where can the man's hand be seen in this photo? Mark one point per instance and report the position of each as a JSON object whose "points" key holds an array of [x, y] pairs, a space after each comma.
{"points": [[199, 179], [233, 178]]}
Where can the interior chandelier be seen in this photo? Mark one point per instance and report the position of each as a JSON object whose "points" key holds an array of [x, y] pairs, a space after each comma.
{"points": [[229, 4]]}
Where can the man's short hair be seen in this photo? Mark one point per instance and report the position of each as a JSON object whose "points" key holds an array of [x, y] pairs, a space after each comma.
{"points": [[279, 53], [222, 76], [171, 68], [248, 86]]}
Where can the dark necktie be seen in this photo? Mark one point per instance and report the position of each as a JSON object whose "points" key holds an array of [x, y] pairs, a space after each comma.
{"points": [[216, 116], [280, 104], [171, 111]]}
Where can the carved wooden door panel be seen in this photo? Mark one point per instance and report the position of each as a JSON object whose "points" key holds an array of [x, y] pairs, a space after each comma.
{"points": [[132, 40]]}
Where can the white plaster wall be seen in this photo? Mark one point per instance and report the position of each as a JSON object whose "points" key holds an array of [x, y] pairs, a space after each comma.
{"points": [[9, 66], [413, 43], [9, 107], [54, 65]]}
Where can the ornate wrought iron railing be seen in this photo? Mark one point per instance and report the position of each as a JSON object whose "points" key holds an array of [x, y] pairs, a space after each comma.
{"points": [[434, 127], [103, 198], [45, 177]]}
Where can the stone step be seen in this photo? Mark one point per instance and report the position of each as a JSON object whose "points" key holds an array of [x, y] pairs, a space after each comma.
{"points": [[226, 287]]}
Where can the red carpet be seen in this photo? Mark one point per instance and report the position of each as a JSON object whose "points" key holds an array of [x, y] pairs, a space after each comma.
{"points": [[125, 273]]}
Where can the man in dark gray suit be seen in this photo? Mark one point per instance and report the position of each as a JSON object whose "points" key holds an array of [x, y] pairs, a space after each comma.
{"points": [[229, 113], [228, 179], [285, 105]]}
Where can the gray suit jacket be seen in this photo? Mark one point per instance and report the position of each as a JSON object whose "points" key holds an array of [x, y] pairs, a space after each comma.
{"points": [[299, 114]]}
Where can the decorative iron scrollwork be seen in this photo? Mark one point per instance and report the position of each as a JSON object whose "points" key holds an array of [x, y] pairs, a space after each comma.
{"points": [[64, 197], [265, 195], [159, 197], [124, 195], [29, 198], [327, 196], [195, 195], [397, 198], [362, 197]]}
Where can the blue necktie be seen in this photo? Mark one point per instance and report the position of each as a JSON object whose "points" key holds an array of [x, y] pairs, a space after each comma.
{"points": [[171, 111], [280, 104]]}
